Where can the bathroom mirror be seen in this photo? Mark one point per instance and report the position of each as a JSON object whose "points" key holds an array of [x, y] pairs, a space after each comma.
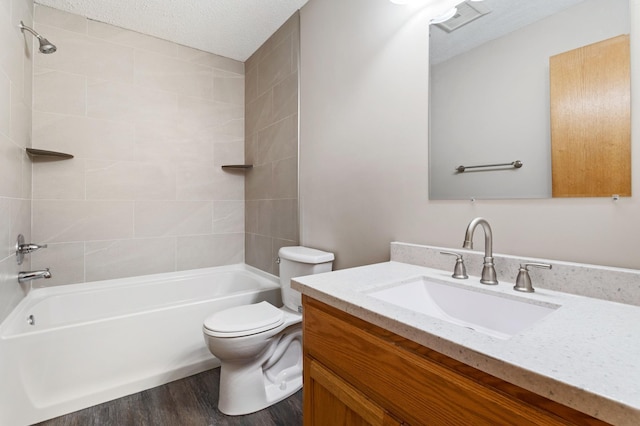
{"points": [[490, 91]]}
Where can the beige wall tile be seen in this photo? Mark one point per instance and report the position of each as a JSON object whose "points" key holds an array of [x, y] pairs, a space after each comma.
{"points": [[251, 84], [12, 54], [149, 123], [131, 38], [64, 260], [276, 67], [126, 102], [284, 219], [230, 131], [251, 215], [210, 60], [10, 168], [83, 136], [15, 215], [160, 72], [58, 18], [157, 140], [11, 293], [5, 104], [77, 220], [59, 179], [172, 218], [265, 52], [129, 180], [228, 185], [228, 217], [59, 92], [202, 251], [194, 150], [21, 123], [71, 56], [198, 117], [228, 153], [228, 87], [111, 180], [285, 98], [124, 258], [258, 182], [7, 240], [259, 113], [250, 149], [200, 181], [15, 135], [285, 178], [258, 252], [278, 141], [90, 57], [271, 144], [27, 179], [109, 61]]}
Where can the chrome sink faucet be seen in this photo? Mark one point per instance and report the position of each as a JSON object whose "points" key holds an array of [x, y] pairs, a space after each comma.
{"points": [[488, 269]]}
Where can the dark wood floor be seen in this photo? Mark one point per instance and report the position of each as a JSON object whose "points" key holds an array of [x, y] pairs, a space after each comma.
{"points": [[190, 401]]}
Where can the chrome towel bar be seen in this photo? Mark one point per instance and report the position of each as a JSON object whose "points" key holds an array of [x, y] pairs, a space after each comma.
{"points": [[515, 164]]}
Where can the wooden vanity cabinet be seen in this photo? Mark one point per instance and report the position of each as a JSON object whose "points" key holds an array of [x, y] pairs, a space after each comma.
{"points": [[356, 373]]}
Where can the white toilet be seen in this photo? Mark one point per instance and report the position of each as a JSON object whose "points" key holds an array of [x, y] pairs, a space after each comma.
{"points": [[260, 346]]}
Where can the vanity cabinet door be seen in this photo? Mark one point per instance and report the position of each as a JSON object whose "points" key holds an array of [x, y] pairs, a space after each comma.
{"points": [[370, 372], [329, 400]]}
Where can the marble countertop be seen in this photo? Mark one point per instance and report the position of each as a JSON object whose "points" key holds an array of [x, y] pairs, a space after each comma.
{"points": [[583, 355]]}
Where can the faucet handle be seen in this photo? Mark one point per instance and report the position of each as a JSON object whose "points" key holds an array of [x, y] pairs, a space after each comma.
{"points": [[459, 270], [30, 248], [523, 280]]}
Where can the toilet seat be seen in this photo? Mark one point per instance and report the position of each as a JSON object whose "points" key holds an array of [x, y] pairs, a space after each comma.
{"points": [[244, 320]]}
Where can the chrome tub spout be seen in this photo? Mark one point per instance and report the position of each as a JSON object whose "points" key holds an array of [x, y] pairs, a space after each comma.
{"points": [[25, 276]]}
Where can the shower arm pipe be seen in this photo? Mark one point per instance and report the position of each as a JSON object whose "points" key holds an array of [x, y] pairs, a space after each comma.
{"points": [[24, 27]]}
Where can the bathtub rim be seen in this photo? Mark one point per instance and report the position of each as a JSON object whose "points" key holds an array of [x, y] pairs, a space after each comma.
{"points": [[36, 295]]}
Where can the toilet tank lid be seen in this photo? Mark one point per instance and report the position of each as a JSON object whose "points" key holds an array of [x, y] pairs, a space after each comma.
{"points": [[305, 255]]}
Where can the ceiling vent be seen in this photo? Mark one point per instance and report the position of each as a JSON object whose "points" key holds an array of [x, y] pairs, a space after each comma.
{"points": [[466, 13]]}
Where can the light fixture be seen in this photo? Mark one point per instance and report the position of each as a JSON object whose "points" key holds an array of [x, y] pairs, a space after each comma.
{"points": [[45, 45]]}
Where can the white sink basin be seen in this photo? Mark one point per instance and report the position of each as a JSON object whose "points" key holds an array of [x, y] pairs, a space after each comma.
{"points": [[487, 312]]}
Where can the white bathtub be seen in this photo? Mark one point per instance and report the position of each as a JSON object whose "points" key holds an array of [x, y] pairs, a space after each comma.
{"points": [[94, 342]]}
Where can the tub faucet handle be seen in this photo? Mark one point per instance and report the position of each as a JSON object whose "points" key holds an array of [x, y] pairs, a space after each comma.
{"points": [[523, 280], [30, 248], [23, 248], [459, 270]]}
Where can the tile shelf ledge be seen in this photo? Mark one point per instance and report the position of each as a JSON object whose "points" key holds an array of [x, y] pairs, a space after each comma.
{"points": [[51, 155], [237, 166]]}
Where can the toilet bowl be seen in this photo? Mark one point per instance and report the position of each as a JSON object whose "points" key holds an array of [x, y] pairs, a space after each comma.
{"points": [[260, 346]]}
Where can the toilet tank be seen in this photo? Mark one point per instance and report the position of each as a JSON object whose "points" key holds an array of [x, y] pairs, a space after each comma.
{"points": [[296, 262]]}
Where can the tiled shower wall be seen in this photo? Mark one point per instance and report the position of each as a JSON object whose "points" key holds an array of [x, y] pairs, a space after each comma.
{"points": [[15, 135], [271, 191], [149, 123]]}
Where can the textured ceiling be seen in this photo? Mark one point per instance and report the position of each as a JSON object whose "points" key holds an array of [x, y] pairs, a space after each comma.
{"points": [[231, 28], [506, 16]]}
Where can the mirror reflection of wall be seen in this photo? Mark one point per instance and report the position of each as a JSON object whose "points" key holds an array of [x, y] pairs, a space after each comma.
{"points": [[490, 103]]}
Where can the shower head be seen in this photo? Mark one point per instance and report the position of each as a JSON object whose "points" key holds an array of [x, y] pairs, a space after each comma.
{"points": [[45, 45]]}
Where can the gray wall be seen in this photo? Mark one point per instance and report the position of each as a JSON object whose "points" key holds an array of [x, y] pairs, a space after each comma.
{"points": [[16, 61], [491, 104], [363, 171]]}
